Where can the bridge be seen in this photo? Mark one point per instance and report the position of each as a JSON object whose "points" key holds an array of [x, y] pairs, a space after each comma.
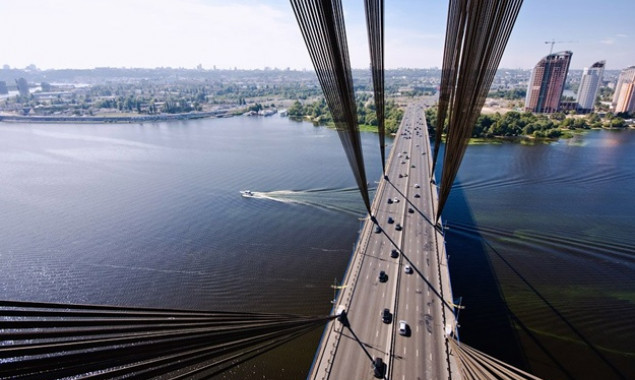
{"points": [[406, 244], [394, 316]]}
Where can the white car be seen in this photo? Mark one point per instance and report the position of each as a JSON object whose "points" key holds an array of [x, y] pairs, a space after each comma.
{"points": [[403, 328], [407, 269]]}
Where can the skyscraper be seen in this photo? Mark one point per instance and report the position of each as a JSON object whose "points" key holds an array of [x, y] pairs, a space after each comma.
{"points": [[589, 86], [626, 99], [23, 87], [626, 76], [547, 83]]}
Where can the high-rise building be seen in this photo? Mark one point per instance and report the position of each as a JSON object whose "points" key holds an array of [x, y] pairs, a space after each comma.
{"points": [[547, 83], [626, 76], [589, 86], [23, 87], [626, 100], [3, 88]]}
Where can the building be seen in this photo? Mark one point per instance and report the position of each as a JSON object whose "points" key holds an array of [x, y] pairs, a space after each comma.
{"points": [[626, 76], [3, 88], [626, 99], [547, 83], [589, 86], [23, 87]]}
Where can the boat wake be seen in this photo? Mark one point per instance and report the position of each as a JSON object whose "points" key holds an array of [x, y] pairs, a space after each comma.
{"points": [[343, 200]]}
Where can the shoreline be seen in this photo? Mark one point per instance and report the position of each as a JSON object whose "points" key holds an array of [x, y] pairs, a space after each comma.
{"points": [[113, 119]]}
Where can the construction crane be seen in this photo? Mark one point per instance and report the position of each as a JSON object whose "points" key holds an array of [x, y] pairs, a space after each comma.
{"points": [[553, 42]]}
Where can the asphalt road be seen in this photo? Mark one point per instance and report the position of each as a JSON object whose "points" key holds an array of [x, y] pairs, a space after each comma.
{"points": [[348, 352]]}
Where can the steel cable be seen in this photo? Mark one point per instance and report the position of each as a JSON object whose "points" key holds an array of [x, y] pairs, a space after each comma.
{"points": [[476, 36], [322, 26], [53, 341], [375, 26]]}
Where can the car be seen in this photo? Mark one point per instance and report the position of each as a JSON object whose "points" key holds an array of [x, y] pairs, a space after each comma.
{"points": [[417, 195], [400, 175], [394, 253], [379, 368], [390, 199], [390, 220], [407, 269], [411, 210], [383, 277], [417, 186], [398, 227], [396, 200], [403, 328], [412, 166], [386, 317], [377, 229]]}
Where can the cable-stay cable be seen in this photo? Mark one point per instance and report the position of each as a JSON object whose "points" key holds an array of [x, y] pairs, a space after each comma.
{"points": [[476, 365], [375, 26], [47, 340], [476, 36], [324, 33]]}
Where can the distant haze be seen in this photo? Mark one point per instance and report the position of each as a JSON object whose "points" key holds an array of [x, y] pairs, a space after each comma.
{"points": [[251, 34]]}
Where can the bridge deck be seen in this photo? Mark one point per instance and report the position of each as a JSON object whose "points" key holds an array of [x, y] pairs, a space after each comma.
{"points": [[422, 298]]}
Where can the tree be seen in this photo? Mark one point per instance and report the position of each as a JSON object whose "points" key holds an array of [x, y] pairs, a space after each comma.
{"points": [[482, 126], [558, 116], [296, 111], [617, 122]]}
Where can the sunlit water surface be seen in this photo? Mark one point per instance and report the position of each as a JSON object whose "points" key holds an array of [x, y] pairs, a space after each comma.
{"points": [[152, 215]]}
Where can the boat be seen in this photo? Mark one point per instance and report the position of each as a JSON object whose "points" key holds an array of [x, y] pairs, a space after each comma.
{"points": [[247, 193]]}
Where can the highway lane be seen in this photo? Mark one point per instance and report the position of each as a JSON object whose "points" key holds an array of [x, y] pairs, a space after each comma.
{"points": [[416, 356], [347, 353]]}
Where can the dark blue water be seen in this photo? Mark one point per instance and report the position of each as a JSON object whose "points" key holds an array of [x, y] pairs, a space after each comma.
{"points": [[540, 236], [542, 239]]}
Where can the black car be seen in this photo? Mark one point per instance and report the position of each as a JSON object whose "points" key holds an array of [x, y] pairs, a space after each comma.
{"points": [[390, 220], [390, 199], [398, 227], [417, 195], [394, 253], [377, 229], [383, 277], [386, 317], [379, 368], [411, 210]]}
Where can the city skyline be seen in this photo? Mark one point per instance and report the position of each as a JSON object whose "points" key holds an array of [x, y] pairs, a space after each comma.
{"points": [[251, 34]]}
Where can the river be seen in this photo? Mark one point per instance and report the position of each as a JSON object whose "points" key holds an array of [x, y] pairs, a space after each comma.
{"points": [[540, 236]]}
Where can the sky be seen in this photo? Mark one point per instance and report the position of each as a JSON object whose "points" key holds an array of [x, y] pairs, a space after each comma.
{"points": [[251, 34]]}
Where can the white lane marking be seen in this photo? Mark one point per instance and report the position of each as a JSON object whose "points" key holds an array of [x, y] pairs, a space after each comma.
{"points": [[417, 352]]}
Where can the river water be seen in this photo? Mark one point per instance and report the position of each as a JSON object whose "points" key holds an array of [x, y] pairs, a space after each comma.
{"points": [[540, 236]]}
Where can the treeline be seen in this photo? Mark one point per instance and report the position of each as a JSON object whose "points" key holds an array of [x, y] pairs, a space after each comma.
{"points": [[514, 124], [318, 113], [514, 94]]}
